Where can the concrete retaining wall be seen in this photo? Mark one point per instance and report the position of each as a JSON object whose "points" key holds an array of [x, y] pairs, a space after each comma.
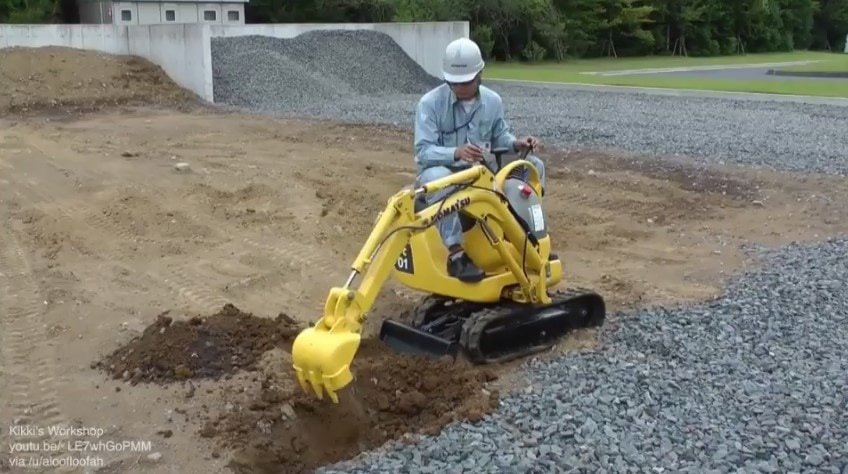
{"points": [[184, 51]]}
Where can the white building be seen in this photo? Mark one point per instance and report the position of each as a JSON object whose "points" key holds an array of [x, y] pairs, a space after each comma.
{"points": [[150, 12]]}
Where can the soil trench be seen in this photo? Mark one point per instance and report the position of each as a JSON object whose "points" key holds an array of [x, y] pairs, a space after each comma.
{"points": [[276, 427]]}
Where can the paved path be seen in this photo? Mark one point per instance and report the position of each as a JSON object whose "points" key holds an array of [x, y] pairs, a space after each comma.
{"points": [[749, 74], [805, 99], [698, 69]]}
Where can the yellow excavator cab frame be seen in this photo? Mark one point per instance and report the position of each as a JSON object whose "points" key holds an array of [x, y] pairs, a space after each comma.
{"points": [[322, 354]]}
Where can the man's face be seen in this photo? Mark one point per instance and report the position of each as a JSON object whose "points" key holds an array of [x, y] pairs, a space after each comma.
{"points": [[465, 90]]}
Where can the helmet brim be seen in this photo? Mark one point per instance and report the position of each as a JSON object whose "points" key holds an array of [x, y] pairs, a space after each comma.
{"points": [[458, 78]]}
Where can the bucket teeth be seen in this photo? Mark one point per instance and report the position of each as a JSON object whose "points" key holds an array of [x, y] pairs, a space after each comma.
{"points": [[312, 382]]}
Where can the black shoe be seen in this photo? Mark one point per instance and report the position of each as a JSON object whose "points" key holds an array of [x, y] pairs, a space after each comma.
{"points": [[462, 268]]}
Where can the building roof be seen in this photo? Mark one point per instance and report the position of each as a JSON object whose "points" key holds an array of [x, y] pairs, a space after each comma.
{"points": [[178, 1]]}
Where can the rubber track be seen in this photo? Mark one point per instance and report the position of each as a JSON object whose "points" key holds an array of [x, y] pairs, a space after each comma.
{"points": [[473, 328]]}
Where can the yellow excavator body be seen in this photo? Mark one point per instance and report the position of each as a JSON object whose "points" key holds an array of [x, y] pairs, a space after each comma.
{"points": [[510, 313], [421, 265]]}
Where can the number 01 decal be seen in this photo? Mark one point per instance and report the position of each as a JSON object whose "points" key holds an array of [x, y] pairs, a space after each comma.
{"points": [[404, 262]]}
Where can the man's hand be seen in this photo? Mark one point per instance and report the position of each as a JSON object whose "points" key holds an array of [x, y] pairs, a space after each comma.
{"points": [[527, 143], [468, 152]]}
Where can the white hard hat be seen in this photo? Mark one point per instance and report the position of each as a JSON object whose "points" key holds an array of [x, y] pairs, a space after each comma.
{"points": [[462, 61]]}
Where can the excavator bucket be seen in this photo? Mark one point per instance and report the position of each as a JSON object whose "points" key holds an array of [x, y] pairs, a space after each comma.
{"points": [[322, 360], [409, 340]]}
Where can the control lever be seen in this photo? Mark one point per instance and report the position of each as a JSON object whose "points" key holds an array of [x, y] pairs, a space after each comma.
{"points": [[499, 153]]}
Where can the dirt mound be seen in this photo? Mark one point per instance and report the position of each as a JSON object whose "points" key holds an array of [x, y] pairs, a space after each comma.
{"points": [[286, 430], [279, 428], [50, 78], [210, 347]]}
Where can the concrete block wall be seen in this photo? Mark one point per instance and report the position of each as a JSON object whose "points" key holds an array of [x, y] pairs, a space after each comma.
{"points": [[184, 51]]}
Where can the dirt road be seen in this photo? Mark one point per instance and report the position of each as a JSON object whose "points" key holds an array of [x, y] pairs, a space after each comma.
{"points": [[108, 251]]}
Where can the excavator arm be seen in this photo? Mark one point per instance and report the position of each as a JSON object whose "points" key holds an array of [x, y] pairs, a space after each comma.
{"points": [[322, 354]]}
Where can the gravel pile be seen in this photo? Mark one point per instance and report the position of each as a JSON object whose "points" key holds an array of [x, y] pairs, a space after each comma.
{"points": [[337, 74], [755, 381], [315, 72]]}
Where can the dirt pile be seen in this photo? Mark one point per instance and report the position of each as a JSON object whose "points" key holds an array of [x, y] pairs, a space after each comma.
{"points": [[276, 427], [283, 429], [210, 347], [68, 79]]}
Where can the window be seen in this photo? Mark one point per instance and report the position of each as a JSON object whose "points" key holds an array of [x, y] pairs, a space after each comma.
{"points": [[170, 15], [209, 15], [233, 15], [126, 15]]}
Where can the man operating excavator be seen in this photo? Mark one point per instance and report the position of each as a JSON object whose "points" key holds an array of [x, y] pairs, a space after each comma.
{"points": [[507, 312], [455, 124]]}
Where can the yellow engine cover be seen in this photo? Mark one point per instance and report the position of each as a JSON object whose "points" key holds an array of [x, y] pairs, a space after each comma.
{"points": [[423, 264]]}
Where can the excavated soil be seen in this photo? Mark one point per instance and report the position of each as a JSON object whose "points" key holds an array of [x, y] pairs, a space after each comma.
{"points": [[394, 396], [209, 347], [55, 78], [278, 425]]}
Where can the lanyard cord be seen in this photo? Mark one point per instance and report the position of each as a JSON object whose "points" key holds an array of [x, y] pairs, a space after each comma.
{"points": [[456, 129]]}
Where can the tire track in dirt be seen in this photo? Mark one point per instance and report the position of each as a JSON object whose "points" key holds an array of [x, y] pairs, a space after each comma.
{"points": [[311, 263], [32, 394], [246, 285], [174, 280], [317, 269], [187, 284], [186, 281], [49, 150]]}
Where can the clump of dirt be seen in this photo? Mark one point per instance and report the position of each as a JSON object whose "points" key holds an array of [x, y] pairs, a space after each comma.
{"points": [[69, 79], [283, 429], [209, 347]]}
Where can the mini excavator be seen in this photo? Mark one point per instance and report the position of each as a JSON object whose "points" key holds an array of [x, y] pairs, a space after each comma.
{"points": [[510, 314]]}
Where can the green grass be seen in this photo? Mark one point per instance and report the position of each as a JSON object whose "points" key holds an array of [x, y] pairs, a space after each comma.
{"points": [[570, 72]]}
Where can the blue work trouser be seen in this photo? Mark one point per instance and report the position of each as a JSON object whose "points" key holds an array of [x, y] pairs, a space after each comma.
{"points": [[449, 227]]}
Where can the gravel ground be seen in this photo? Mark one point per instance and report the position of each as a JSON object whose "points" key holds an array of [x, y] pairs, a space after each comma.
{"points": [[755, 381], [788, 136]]}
